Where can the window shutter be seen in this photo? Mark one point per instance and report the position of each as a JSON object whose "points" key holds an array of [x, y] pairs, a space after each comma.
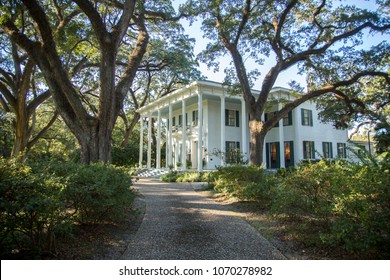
{"points": [[237, 118], [292, 153], [226, 117], [302, 117], [290, 118], [312, 150], [238, 145], [331, 149], [311, 118], [324, 149], [277, 154], [267, 154]]}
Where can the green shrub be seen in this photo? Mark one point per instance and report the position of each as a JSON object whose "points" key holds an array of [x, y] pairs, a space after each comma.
{"points": [[349, 202], [245, 182], [171, 176], [186, 176], [362, 216], [43, 201], [31, 208], [95, 192]]}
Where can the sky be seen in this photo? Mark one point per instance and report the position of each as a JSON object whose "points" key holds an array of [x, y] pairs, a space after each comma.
{"points": [[284, 78]]}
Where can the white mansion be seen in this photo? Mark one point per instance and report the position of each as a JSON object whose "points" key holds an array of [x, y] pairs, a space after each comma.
{"points": [[205, 140]]}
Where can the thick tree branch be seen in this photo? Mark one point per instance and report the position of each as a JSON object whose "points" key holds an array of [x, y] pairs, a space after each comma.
{"points": [[309, 52], [43, 131], [95, 19], [245, 17], [320, 91]]}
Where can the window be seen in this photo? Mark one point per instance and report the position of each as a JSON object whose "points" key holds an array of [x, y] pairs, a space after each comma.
{"points": [[233, 153], [195, 118], [327, 149], [232, 118], [273, 155], [308, 150], [287, 120], [288, 153], [341, 150], [307, 117]]}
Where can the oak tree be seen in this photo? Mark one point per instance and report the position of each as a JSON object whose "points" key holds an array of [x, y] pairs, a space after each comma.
{"points": [[303, 33]]}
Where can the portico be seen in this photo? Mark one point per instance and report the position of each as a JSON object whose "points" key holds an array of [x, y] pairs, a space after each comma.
{"points": [[189, 139]]}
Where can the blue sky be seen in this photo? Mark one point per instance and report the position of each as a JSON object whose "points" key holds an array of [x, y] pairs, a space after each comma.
{"points": [[285, 77]]}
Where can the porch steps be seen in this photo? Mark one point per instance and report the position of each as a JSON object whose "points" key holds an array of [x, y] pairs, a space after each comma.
{"points": [[151, 172]]}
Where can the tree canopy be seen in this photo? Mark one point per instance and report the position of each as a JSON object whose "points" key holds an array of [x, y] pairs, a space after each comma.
{"points": [[324, 38], [89, 53]]}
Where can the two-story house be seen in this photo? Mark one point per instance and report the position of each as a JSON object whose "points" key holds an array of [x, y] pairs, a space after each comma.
{"points": [[205, 127]]}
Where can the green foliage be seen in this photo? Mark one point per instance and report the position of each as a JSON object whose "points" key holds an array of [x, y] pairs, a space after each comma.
{"points": [[350, 202], [95, 192], [338, 204], [245, 182], [43, 201], [31, 208], [127, 156], [186, 176]]}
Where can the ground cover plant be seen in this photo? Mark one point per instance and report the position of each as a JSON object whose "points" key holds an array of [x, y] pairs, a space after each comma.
{"points": [[42, 202], [338, 205]]}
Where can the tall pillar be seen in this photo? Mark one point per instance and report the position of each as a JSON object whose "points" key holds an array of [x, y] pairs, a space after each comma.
{"points": [[183, 136], [223, 128], [169, 135], [158, 139], [200, 132], [149, 161], [281, 138], [166, 145], [265, 155], [298, 144], [141, 141], [244, 129]]}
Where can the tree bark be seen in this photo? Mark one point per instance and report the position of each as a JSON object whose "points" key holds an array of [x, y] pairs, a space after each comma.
{"points": [[92, 132]]}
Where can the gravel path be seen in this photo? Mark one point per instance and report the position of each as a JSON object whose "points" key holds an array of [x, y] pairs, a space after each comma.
{"points": [[182, 224]]}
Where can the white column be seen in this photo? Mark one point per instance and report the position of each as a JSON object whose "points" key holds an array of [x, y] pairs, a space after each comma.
{"points": [[169, 135], [141, 141], [281, 139], [200, 132], [183, 136], [158, 139], [298, 144], [265, 155], [166, 146], [223, 149], [244, 129], [149, 161]]}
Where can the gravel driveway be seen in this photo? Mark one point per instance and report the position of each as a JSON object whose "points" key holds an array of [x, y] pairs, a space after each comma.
{"points": [[180, 223]]}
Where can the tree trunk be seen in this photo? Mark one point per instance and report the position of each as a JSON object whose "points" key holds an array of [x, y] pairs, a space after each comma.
{"points": [[95, 146], [21, 135], [130, 129], [257, 132]]}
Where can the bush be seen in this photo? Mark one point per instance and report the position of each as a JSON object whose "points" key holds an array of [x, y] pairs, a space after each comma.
{"points": [[45, 200], [350, 202], [31, 209], [185, 176], [245, 182], [95, 192]]}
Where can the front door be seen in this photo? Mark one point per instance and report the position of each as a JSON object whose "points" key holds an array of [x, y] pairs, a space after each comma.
{"points": [[273, 155]]}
